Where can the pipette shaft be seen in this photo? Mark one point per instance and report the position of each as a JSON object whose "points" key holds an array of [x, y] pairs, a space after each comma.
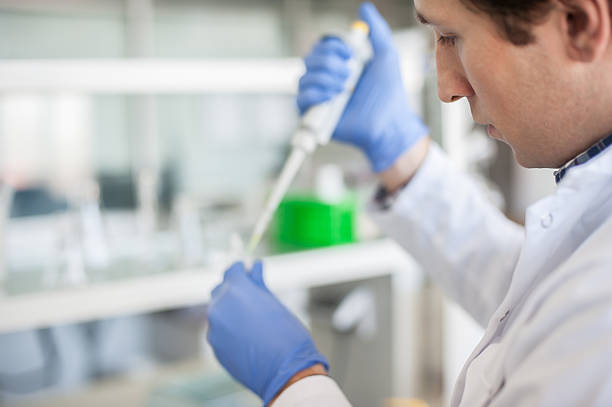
{"points": [[290, 170]]}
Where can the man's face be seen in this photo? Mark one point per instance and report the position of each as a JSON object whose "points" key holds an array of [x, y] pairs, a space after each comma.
{"points": [[519, 92]]}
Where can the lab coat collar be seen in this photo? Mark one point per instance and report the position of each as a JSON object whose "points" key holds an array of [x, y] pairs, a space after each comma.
{"points": [[596, 160]]}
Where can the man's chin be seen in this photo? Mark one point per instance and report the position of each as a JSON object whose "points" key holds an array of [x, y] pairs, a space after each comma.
{"points": [[493, 132], [527, 161], [521, 160]]}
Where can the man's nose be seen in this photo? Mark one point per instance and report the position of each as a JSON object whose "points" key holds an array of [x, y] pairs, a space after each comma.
{"points": [[452, 83]]}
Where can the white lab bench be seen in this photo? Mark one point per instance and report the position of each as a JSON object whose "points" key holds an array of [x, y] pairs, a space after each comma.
{"points": [[182, 288]]}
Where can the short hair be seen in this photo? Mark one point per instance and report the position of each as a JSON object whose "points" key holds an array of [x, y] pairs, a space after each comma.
{"points": [[514, 18]]}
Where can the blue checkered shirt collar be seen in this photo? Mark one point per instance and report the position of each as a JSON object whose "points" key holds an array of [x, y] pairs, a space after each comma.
{"points": [[593, 151]]}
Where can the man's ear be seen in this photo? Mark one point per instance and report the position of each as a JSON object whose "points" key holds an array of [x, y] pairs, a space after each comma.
{"points": [[587, 28]]}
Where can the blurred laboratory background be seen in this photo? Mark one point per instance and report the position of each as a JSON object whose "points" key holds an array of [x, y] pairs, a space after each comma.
{"points": [[137, 137]]}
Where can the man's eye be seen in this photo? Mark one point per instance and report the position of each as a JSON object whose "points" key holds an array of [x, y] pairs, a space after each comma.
{"points": [[447, 40]]}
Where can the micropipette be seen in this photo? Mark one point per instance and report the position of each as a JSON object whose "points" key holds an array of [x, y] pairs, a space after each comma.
{"points": [[316, 128]]}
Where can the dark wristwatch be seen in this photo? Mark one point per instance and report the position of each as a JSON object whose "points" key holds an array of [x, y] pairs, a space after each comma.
{"points": [[385, 199]]}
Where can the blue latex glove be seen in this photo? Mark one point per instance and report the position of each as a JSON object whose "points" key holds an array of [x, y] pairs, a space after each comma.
{"points": [[258, 341], [378, 118]]}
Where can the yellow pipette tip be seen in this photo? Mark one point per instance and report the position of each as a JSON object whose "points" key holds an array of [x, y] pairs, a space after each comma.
{"points": [[361, 25]]}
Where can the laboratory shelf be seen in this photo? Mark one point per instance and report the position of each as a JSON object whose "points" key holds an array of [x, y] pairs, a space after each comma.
{"points": [[152, 76], [182, 288]]}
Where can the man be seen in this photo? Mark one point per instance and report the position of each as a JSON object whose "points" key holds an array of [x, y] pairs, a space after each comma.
{"points": [[539, 75]]}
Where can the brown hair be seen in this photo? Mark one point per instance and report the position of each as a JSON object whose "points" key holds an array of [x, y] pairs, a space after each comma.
{"points": [[514, 17]]}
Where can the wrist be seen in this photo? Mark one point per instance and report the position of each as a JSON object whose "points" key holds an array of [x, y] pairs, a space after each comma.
{"points": [[317, 369], [394, 140], [404, 168]]}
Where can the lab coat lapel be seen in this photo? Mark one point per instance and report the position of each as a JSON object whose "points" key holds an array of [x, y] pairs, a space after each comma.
{"points": [[554, 228]]}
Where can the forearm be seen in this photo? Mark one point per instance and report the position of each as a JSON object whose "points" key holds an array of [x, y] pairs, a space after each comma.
{"points": [[443, 219], [318, 390]]}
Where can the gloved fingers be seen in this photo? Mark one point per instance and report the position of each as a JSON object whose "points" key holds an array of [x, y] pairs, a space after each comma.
{"points": [[236, 270], [332, 64], [215, 291], [313, 96], [211, 335], [212, 314], [322, 80], [332, 45], [215, 295], [380, 33], [257, 275]]}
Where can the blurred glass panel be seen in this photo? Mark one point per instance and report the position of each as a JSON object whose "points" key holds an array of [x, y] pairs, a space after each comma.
{"points": [[177, 28], [75, 165], [219, 29], [55, 30]]}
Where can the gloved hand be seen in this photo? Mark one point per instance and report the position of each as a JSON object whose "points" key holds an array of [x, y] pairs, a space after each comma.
{"points": [[378, 118], [258, 341]]}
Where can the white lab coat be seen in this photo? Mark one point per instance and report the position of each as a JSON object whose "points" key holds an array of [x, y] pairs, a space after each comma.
{"points": [[544, 292]]}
